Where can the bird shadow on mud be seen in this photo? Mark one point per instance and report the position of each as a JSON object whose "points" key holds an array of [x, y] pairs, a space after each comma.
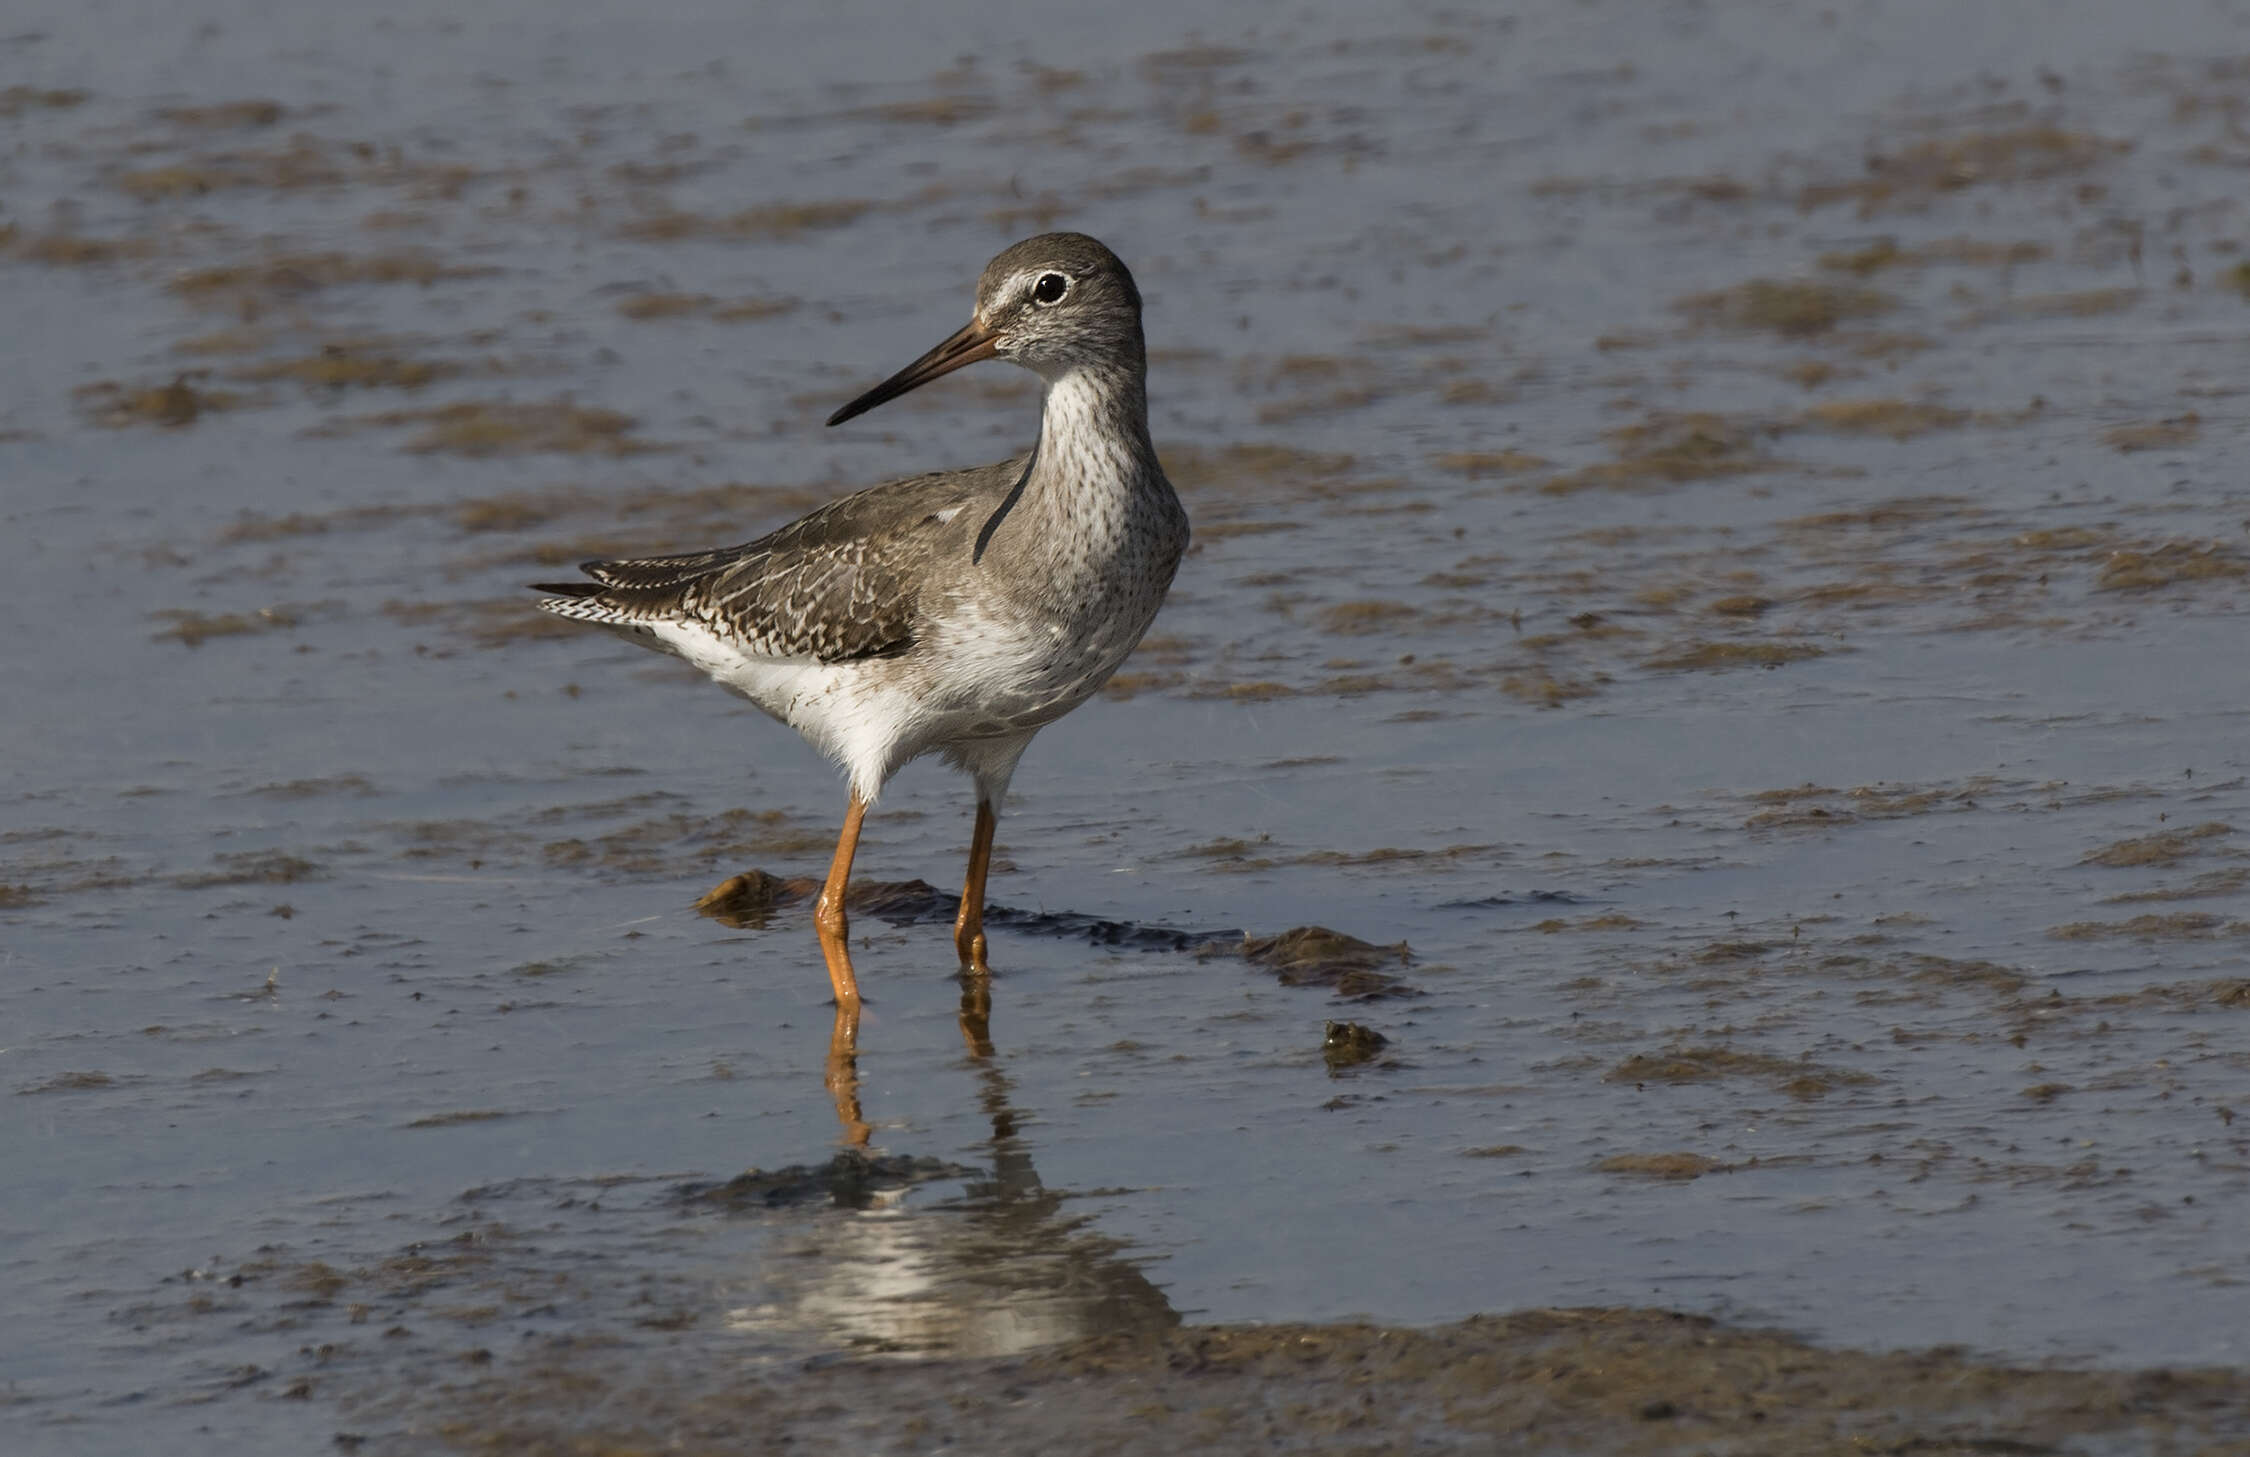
{"points": [[1305, 956]]}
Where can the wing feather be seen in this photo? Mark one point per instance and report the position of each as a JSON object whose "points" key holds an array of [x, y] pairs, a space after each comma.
{"points": [[841, 583]]}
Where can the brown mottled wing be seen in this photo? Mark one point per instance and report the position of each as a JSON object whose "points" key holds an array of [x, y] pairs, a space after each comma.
{"points": [[843, 582]]}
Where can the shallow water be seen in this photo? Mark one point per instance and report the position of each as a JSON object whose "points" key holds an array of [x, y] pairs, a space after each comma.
{"points": [[1717, 527]]}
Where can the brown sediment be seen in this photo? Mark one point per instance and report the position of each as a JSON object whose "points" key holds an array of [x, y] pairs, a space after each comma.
{"points": [[71, 1082], [770, 221], [1705, 657], [452, 1120], [192, 628], [1799, 1078], [226, 114], [703, 305], [16, 100], [1122, 686], [2155, 435], [1634, 1383], [747, 901], [1667, 449], [2177, 926], [1355, 970], [1480, 463], [2169, 564], [1253, 464], [1886, 253], [1899, 419], [2083, 304], [853, 1179], [350, 366], [115, 406], [1914, 176], [356, 784], [1358, 618], [1814, 804], [295, 273], [1546, 690], [1607, 921], [260, 867], [1345, 1045], [508, 427], [1676, 1166], [2209, 883], [304, 162], [1256, 691], [1792, 308], [2168, 847], [75, 250]]}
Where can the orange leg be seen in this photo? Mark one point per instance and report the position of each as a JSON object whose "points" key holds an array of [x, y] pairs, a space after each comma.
{"points": [[843, 1075], [968, 927], [828, 913]]}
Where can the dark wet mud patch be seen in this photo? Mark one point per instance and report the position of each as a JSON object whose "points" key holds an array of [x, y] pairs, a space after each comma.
{"points": [[16, 100], [1800, 1078], [1355, 970], [1478, 464], [353, 365], [2170, 564], [765, 222], [70, 1082], [1589, 1380], [1915, 176], [1814, 806], [479, 428], [652, 306], [749, 900], [1314, 956], [1711, 657], [226, 115], [2168, 434], [457, 1118], [1898, 419], [1348, 1046], [2175, 926], [1677, 1167], [1792, 308], [70, 249], [195, 628], [1886, 253], [2168, 847], [261, 867], [853, 1179], [246, 287], [1667, 449], [115, 406], [2209, 883]]}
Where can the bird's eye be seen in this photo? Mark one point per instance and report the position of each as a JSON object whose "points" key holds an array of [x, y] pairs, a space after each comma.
{"points": [[1050, 288]]}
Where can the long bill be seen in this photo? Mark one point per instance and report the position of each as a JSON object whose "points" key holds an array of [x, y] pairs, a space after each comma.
{"points": [[970, 344]]}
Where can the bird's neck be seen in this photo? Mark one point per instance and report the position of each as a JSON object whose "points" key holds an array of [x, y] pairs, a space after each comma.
{"points": [[1094, 423], [1093, 486]]}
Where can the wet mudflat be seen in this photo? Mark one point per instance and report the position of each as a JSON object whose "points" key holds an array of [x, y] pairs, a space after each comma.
{"points": [[1720, 578]]}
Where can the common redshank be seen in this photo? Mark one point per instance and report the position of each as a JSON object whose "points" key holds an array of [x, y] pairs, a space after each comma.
{"points": [[959, 612]]}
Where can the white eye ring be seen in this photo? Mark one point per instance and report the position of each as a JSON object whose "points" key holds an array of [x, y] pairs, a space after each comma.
{"points": [[1051, 289]]}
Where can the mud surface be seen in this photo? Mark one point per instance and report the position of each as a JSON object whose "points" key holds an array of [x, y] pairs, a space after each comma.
{"points": [[1711, 658]]}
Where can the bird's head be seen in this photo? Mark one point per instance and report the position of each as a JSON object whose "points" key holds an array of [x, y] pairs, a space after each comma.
{"points": [[1053, 304]]}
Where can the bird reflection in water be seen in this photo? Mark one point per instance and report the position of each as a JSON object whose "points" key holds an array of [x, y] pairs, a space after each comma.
{"points": [[997, 1269]]}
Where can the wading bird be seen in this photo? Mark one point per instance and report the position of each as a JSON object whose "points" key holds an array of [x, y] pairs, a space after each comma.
{"points": [[957, 613]]}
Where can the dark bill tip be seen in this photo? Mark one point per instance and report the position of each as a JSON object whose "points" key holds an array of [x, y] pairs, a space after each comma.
{"points": [[966, 346]]}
